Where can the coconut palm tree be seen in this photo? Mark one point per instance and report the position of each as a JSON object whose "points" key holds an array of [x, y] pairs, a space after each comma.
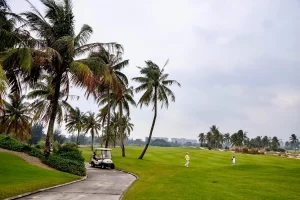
{"points": [[294, 140], [16, 117], [215, 134], [75, 121], [209, 138], [227, 138], [155, 84], [114, 81], [265, 141], [121, 103], [93, 125], [42, 92], [59, 46], [201, 138]]}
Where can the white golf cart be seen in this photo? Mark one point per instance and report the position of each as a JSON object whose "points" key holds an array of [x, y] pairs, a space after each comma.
{"points": [[102, 158]]}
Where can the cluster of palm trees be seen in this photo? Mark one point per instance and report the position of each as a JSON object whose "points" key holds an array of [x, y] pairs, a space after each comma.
{"points": [[215, 139], [40, 55]]}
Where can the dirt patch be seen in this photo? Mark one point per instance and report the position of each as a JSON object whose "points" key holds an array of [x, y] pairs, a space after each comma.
{"points": [[30, 159]]}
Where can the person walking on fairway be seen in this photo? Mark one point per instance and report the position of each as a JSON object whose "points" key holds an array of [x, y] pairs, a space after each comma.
{"points": [[233, 160], [187, 159]]}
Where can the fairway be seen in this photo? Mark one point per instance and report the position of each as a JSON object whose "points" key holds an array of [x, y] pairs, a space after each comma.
{"points": [[210, 175], [18, 177]]}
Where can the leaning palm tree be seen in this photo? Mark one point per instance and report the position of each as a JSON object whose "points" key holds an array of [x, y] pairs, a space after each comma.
{"points": [[201, 138], [294, 140], [42, 93], [75, 122], [59, 46], [155, 84], [92, 124], [114, 81], [16, 117]]}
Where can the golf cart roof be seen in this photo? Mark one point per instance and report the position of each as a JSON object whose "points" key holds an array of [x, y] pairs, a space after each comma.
{"points": [[103, 149]]}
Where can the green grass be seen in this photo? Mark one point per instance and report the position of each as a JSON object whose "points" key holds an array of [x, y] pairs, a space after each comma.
{"points": [[17, 176], [210, 175]]}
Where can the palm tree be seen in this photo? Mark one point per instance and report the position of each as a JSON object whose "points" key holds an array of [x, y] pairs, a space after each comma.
{"points": [[294, 140], [60, 46], [201, 138], [43, 93], [215, 134], [93, 125], [16, 117], [275, 143], [75, 121], [110, 64], [265, 141], [242, 137], [209, 138], [155, 84], [122, 103], [227, 138]]}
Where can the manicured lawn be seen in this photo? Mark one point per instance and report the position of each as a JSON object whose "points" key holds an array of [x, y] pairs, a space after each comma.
{"points": [[17, 176], [210, 175]]}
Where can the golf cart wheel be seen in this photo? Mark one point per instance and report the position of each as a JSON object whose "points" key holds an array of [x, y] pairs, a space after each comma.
{"points": [[92, 164], [102, 166], [112, 166]]}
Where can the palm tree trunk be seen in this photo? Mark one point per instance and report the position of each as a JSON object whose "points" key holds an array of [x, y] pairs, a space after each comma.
{"points": [[122, 130], [92, 133], [54, 103], [77, 138], [153, 123], [108, 117]]}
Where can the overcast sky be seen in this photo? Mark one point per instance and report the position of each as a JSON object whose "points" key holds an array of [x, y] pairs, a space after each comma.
{"points": [[238, 61]]}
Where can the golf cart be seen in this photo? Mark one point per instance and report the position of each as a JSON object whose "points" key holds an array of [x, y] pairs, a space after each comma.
{"points": [[102, 158]]}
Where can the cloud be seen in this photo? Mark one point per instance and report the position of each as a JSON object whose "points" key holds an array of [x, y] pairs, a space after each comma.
{"points": [[237, 61]]}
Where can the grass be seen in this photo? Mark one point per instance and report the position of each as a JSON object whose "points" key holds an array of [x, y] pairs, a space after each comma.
{"points": [[210, 175], [18, 176]]}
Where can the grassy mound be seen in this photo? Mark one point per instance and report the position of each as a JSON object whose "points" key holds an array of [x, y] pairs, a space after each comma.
{"points": [[17, 176], [210, 175]]}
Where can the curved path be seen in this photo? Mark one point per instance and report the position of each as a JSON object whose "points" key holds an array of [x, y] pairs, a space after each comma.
{"points": [[101, 184]]}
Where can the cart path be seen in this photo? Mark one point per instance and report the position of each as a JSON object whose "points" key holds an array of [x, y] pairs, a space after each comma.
{"points": [[101, 184]]}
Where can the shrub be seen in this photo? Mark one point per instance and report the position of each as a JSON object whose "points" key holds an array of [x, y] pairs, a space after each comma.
{"points": [[267, 149], [245, 150], [227, 148], [10, 143], [66, 165], [281, 150], [70, 152], [209, 148], [236, 150], [41, 144], [36, 153], [253, 151]]}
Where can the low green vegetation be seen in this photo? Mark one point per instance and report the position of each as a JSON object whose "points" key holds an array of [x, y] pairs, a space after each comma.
{"points": [[210, 175], [18, 176], [66, 158]]}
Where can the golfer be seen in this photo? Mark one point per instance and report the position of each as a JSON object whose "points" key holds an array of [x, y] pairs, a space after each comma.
{"points": [[233, 160], [187, 159]]}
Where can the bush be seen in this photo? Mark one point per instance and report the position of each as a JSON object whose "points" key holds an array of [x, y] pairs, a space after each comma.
{"points": [[281, 150], [10, 143], [227, 148], [245, 150], [70, 152], [253, 151], [36, 153], [209, 148], [66, 165], [41, 144], [267, 149]]}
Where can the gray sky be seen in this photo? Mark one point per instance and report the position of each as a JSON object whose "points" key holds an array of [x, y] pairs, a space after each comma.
{"points": [[238, 61]]}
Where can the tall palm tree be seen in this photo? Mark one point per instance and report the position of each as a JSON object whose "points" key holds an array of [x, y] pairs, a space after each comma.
{"points": [[121, 103], [294, 140], [209, 138], [75, 121], [155, 84], [227, 138], [60, 46], [216, 134], [93, 125], [42, 92], [201, 138], [16, 117], [110, 64]]}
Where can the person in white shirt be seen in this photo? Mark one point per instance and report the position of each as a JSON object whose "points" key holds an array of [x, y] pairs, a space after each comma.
{"points": [[233, 160]]}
